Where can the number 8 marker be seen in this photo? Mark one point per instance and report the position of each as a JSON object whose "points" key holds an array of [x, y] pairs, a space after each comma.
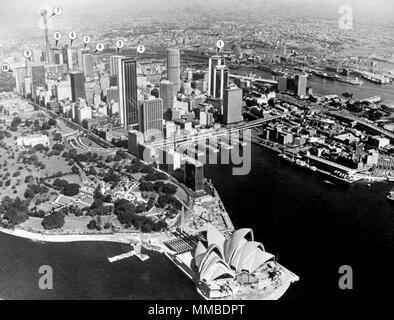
{"points": [[57, 36], [141, 49]]}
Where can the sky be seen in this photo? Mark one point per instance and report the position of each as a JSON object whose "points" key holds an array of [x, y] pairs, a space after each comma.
{"points": [[21, 14]]}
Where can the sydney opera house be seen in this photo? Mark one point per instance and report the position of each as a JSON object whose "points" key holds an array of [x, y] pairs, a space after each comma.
{"points": [[238, 268]]}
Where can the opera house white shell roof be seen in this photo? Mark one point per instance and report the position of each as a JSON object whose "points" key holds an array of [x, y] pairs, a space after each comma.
{"points": [[226, 257]]}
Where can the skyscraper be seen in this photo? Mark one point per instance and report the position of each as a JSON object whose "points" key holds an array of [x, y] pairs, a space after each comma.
{"points": [[77, 79], [57, 55], [174, 68], [38, 76], [73, 58], [221, 76], [113, 65], [151, 118], [167, 94], [87, 59], [232, 105], [194, 175], [19, 74], [213, 63], [128, 92], [300, 85]]}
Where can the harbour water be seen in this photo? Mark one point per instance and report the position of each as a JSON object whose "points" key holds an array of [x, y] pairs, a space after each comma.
{"points": [[314, 227], [323, 86]]}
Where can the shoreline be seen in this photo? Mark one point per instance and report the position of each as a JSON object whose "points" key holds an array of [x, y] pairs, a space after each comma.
{"points": [[64, 238]]}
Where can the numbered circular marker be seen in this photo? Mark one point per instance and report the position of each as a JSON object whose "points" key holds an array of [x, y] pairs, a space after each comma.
{"points": [[99, 47], [86, 39], [119, 44], [72, 35], [57, 36], [27, 53], [5, 67], [220, 44], [141, 49], [57, 11]]}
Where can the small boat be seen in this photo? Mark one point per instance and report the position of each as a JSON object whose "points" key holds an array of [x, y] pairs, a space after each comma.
{"points": [[390, 196]]}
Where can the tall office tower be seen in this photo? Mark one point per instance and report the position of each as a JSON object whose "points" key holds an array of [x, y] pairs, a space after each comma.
{"points": [[174, 68], [37, 56], [28, 67], [232, 105], [113, 65], [221, 77], [167, 94], [19, 74], [128, 92], [282, 84], [151, 118], [73, 58], [300, 85], [38, 76], [194, 175], [213, 63], [80, 60], [87, 59], [57, 55], [77, 79]]}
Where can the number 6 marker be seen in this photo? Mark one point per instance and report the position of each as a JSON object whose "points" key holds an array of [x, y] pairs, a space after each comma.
{"points": [[57, 36], [86, 40], [72, 35]]}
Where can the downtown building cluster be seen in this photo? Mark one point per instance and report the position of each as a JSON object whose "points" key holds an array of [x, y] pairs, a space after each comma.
{"points": [[135, 101]]}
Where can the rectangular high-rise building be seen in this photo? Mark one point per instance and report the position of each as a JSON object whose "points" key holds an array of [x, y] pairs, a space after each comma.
{"points": [[57, 55], [73, 58], [151, 118], [300, 85], [213, 63], [19, 74], [282, 84], [221, 81], [232, 105], [174, 67], [128, 92], [194, 175], [77, 79], [167, 94], [38, 76], [113, 65], [87, 59]]}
